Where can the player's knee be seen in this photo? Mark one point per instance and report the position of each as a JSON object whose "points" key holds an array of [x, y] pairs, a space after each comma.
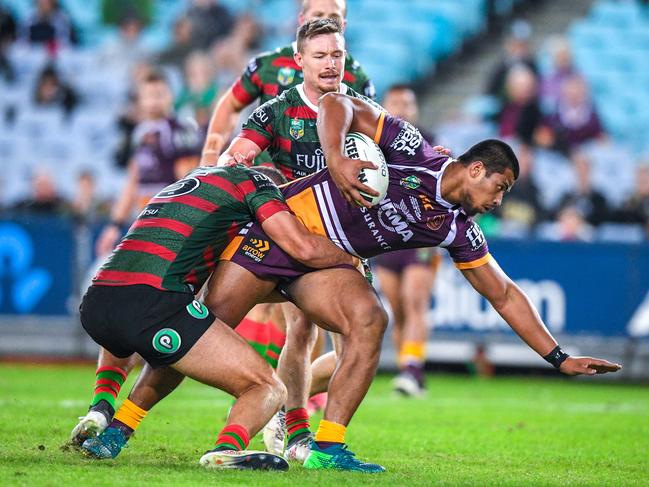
{"points": [[370, 320], [278, 390]]}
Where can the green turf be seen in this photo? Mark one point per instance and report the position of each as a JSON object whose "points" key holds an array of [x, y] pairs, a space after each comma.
{"points": [[508, 431]]}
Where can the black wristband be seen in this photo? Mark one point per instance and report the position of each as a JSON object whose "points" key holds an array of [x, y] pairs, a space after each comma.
{"points": [[556, 357]]}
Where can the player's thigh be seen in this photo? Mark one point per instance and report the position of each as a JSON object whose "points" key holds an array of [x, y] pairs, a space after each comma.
{"points": [[233, 291], [336, 299], [391, 288], [416, 287], [222, 358]]}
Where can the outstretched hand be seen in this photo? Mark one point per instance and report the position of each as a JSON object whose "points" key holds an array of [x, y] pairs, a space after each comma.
{"points": [[442, 150], [587, 366], [238, 158], [345, 174]]}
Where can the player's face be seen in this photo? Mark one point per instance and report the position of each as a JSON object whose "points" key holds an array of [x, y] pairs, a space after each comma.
{"points": [[402, 104], [323, 62], [324, 9], [485, 193], [155, 100]]}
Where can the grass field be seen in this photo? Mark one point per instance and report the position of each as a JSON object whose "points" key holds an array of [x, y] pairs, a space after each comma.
{"points": [[509, 431]]}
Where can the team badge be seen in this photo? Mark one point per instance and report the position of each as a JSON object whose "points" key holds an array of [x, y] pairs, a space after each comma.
{"points": [[297, 128], [167, 340], [285, 76], [435, 223], [410, 182], [197, 310]]}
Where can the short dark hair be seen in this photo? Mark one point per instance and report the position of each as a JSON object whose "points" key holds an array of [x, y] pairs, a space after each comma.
{"points": [[271, 173], [314, 28], [496, 155], [155, 76]]}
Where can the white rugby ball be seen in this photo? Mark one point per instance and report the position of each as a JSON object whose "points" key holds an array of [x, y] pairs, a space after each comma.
{"points": [[360, 146]]}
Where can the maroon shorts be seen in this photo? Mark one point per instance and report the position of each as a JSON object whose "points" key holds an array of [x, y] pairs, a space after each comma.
{"points": [[257, 253], [397, 260]]}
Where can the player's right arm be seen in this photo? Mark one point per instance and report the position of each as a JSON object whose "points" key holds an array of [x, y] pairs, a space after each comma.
{"points": [[120, 213], [517, 310], [338, 115], [308, 248], [222, 124], [242, 93], [256, 135]]}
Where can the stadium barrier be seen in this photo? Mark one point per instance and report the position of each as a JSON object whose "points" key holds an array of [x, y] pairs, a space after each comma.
{"points": [[593, 296]]}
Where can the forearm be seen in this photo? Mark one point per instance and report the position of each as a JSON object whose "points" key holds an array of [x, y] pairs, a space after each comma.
{"points": [[522, 317], [222, 123], [124, 205], [335, 117], [321, 253]]}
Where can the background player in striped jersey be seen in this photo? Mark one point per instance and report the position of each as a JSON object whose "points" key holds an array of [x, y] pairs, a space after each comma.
{"points": [[272, 73], [407, 276], [449, 192], [165, 149], [285, 127], [142, 300]]}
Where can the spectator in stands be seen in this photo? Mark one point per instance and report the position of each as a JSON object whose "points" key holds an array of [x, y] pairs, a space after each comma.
{"points": [[562, 69], [51, 91], [636, 208], [232, 53], [575, 120], [49, 25], [521, 210], [86, 206], [181, 46], [210, 22], [521, 115], [571, 226], [199, 92], [589, 202], [517, 53], [127, 49], [7, 37], [44, 198]]}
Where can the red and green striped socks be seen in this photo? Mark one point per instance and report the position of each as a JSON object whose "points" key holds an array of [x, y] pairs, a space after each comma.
{"points": [[107, 385], [232, 437], [297, 424], [275, 344]]}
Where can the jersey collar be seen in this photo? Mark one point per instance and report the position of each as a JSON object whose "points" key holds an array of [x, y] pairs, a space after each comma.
{"points": [[305, 99]]}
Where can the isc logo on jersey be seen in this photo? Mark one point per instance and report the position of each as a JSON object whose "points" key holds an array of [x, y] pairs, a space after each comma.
{"points": [[360, 146]]}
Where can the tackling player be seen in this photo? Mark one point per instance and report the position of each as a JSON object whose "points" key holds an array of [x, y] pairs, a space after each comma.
{"points": [[447, 194], [407, 276], [142, 300], [165, 149]]}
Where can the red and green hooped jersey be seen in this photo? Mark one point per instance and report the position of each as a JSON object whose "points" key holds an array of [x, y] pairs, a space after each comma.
{"points": [[175, 242], [285, 127], [271, 73]]}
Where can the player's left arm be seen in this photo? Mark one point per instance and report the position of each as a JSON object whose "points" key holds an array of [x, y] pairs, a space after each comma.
{"points": [[517, 310], [308, 248]]}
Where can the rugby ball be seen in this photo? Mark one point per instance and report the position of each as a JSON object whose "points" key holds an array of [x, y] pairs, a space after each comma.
{"points": [[360, 146]]}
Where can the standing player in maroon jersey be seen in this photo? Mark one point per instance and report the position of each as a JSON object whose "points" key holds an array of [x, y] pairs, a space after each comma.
{"points": [[449, 193], [165, 149], [142, 300], [407, 276]]}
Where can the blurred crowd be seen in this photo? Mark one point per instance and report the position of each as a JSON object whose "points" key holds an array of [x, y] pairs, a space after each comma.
{"points": [[571, 186]]}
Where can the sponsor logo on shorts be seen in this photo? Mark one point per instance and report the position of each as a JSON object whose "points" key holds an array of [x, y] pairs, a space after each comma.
{"points": [[167, 340], [435, 223], [297, 128], [179, 188], [285, 76], [410, 182], [256, 249], [197, 310]]}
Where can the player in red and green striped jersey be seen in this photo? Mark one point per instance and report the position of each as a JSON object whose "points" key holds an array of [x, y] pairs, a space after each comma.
{"points": [[270, 74], [142, 300]]}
